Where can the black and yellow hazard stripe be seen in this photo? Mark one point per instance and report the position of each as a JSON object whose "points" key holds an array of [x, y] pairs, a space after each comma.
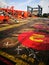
{"points": [[17, 61]]}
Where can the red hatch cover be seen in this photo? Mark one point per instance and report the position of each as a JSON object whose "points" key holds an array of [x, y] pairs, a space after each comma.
{"points": [[35, 40]]}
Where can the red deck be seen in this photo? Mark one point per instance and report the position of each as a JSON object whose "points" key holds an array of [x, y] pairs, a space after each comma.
{"points": [[35, 40]]}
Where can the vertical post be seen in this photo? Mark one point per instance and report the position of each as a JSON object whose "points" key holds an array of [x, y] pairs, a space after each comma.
{"points": [[31, 10], [39, 10]]}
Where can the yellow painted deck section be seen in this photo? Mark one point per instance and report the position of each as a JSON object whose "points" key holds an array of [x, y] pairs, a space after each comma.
{"points": [[13, 26]]}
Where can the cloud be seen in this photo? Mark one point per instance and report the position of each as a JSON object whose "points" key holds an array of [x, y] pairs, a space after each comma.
{"points": [[3, 3], [20, 5], [17, 4], [45, 5]]}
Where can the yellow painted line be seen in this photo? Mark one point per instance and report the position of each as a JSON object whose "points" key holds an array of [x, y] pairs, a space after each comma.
{"points": [[12, 26], [16, 25]]}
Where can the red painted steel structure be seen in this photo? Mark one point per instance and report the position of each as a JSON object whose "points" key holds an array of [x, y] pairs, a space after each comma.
{"points": [[15, 13]]}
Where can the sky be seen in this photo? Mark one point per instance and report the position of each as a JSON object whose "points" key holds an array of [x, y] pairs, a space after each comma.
{"points": [[22, 4]]}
